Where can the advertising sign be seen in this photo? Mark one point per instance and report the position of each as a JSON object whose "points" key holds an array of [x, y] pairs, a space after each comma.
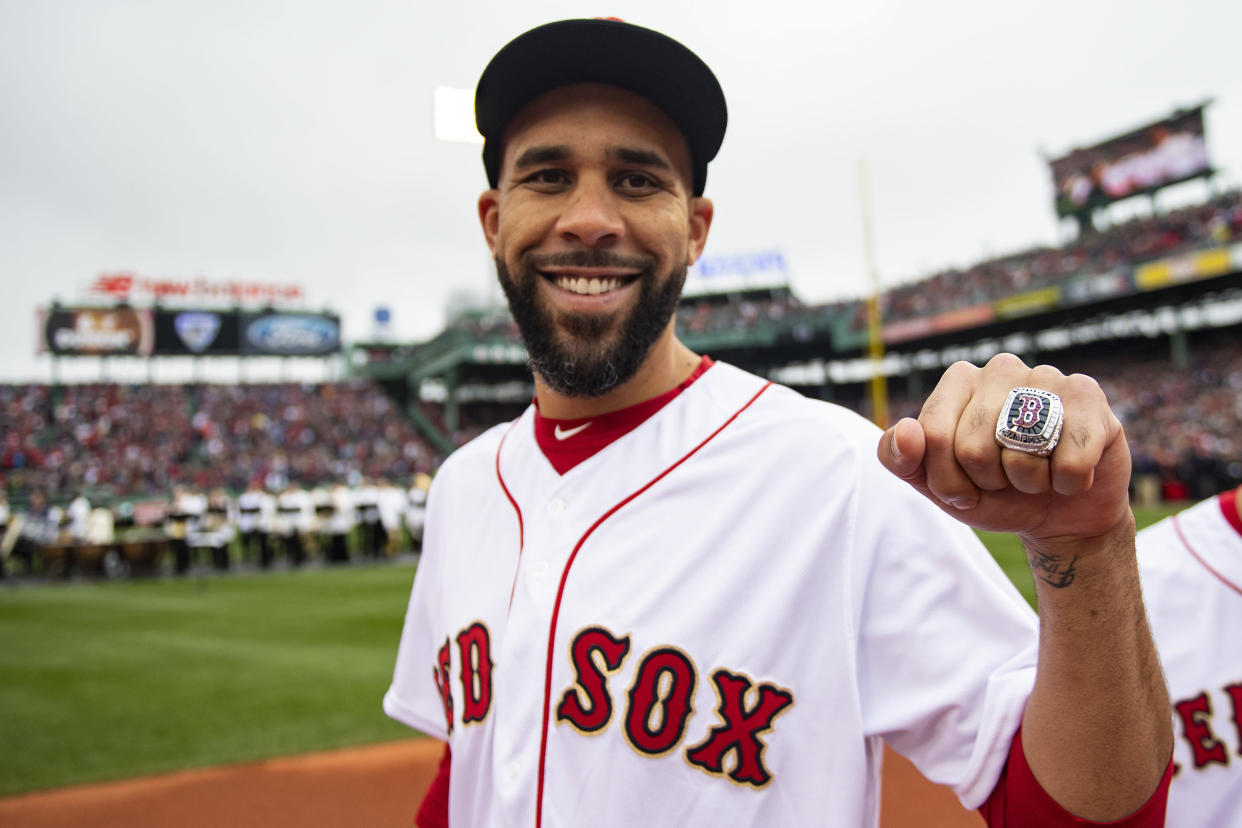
{"points": [[1187, 267], [124, 286], [737, 273], [1025, 304], [1094, 287], [77, 331], [195, 332], [290, 334]]}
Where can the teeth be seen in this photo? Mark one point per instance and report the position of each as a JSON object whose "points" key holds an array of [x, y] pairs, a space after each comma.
{"points": [[587, 287]]}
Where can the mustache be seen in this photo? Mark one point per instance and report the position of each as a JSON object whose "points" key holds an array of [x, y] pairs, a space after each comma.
{"points": [[588, 258]]}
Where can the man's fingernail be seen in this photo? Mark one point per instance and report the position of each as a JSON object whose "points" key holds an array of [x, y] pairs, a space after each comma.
{"points": [[963, 503], [892, 445]]}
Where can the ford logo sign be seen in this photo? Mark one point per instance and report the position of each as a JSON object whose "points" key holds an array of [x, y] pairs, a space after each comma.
{"points": [[294, 334]]}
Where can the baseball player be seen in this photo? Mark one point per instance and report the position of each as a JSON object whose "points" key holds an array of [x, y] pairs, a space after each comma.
{"points": [[293, 521], [338, 523], [184, 514], [255, 510], [215, 528], [391, 503], [416, 511], [673, 593], [1191, 565], [366, 500]]}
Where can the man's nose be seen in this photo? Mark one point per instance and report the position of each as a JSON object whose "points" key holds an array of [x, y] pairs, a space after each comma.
{"points": [[591, 216]]}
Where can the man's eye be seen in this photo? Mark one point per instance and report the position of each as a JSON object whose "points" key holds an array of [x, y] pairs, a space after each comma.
{"points": [[547, 178], [637, 182]]}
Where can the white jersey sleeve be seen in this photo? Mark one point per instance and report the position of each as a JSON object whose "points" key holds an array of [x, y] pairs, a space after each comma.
{"points": [[417, 696], [946, 644]]}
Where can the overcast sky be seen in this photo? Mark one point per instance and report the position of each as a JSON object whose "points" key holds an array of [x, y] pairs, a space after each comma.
{"points": [[292, 142]]}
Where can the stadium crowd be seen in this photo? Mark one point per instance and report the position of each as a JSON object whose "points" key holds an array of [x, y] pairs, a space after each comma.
{"points": [[325, 449], [314, 460], [705, 316], [292, 470], [129, 440], [1216, 221], [1184, 426]]}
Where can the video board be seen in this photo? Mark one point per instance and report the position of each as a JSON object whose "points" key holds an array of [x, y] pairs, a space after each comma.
{"points": [[1143, 160]]}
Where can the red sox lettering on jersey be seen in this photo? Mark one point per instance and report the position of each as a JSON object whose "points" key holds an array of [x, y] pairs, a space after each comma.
{"points": [[659, 701], [1197, 716], [1191, 566], [578, 637]]}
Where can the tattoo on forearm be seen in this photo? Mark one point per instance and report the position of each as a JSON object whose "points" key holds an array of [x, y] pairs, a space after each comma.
{"points": [[1052, 571]]}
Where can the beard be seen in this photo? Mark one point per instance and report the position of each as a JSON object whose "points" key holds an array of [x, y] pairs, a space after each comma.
{"points": [[573, 353]]}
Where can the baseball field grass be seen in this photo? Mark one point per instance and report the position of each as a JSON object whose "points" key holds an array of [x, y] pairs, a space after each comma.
{"points": [[112, 679], [105, 680]]}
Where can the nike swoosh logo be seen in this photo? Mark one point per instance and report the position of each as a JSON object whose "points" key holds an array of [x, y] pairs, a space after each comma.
{"points": [[565, 434]]}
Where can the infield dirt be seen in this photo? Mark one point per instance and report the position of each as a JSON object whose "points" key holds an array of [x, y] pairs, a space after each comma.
{"points": [[378, 786]]}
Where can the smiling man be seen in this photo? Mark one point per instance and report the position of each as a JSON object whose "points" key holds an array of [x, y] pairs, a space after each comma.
{"points": [[673, 593], [592, 235]]}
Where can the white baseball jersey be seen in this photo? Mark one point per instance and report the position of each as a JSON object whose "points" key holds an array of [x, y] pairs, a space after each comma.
{"points": [[714, 620], [392, 503], [255, 511], [1191, 566], [293, 513]]}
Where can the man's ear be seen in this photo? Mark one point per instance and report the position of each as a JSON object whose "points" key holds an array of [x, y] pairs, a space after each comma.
{"points": [[701, 212], [489, 217]]}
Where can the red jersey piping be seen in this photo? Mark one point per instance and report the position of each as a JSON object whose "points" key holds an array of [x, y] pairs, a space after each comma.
{"points": [[1177, 527], [516, 510], [1229, 506], [560, 591]]}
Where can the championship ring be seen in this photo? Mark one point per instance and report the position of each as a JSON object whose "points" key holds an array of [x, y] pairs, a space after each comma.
{"points": [[1030, 421]]}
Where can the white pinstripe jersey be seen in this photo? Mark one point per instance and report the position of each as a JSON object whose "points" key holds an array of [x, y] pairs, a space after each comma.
{"points": [[1191, 566], [714, 620]]}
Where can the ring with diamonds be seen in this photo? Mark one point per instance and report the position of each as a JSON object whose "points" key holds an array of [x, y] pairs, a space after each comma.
{"points": [[1030, 421]]}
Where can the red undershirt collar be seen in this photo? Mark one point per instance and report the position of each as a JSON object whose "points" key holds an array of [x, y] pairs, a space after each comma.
{"points": [[1229, 505], [566, 443]]}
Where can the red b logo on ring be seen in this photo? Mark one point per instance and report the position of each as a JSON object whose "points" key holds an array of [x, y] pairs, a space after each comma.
{"points": [[1029, 409]]}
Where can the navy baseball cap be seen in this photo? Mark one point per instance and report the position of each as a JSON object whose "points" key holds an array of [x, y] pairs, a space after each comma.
{"points": [[608, 51]]}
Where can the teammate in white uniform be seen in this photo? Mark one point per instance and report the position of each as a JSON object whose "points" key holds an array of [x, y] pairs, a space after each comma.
{"points": [[1191, 565], [672, 593], [256, 510]]}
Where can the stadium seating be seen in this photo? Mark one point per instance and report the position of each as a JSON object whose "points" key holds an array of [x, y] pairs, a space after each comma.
{"points": [[120, 441]]}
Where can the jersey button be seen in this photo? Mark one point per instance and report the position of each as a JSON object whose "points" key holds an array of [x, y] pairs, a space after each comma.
{"points": [[540, 570], [513, 769], [556, 506]]}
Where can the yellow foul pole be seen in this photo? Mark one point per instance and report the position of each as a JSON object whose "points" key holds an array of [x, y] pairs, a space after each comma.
{"points": [[879, 382]]}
